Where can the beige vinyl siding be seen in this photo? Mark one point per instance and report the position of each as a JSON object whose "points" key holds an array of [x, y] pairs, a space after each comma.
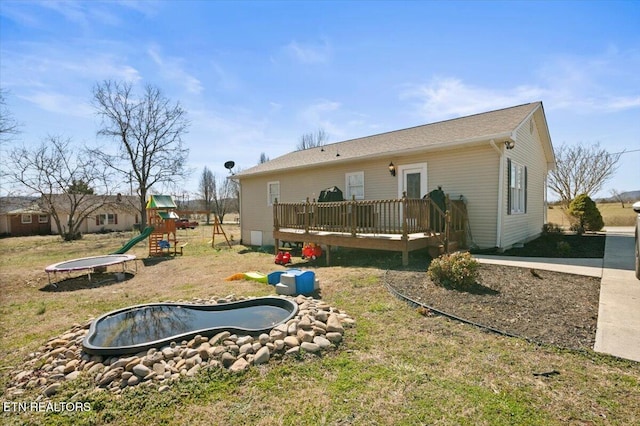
{"points": [[470, 172], [528, 152], [296, 186], [125, 223]]}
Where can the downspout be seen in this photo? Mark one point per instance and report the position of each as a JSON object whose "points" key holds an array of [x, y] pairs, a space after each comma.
{"points": [[500, 193]]}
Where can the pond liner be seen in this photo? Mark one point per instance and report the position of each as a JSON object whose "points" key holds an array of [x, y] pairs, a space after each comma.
{"points": [[89, 345]]}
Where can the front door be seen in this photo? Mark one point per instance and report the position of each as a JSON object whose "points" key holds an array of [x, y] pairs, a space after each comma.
{"points": [[413, 180]]}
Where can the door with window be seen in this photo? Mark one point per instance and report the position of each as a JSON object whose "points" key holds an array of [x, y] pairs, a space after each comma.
{"points": [[412, 180]]}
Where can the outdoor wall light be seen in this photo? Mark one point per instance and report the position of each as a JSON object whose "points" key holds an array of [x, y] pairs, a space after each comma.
{"points": [[509, 144], [392, 169]]}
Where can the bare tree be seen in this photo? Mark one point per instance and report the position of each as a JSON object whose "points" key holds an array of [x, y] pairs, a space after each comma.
{"points": [[149, 131], [312, 140], [64, 178], [224, 196], [207, 190], [616, 195], [581, 169], [8, 125]]}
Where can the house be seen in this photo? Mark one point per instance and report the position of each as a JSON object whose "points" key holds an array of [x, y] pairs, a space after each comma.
{"points": [[116, 213], [23, 216], [495, 164]]}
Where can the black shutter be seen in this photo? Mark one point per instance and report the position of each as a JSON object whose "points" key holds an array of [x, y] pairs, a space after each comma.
{"points": [[525, 189], [509, 177]]}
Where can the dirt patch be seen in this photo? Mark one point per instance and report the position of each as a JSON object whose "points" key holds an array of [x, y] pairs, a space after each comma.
{"points": [[543, 306]]}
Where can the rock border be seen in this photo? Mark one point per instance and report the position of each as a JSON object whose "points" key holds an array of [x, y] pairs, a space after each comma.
{"points": [[317, 327]]}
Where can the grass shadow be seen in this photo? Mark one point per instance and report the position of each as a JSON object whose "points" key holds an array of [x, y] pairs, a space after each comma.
{"points": [[83, 282], [379, 259], [151, 261], [558, 245]]}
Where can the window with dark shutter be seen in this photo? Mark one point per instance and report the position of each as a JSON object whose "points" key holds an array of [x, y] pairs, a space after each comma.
{"points": [[508, 186], [517, 188]]}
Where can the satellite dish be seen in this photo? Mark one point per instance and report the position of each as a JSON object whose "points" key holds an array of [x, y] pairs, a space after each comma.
{"points": [[229, 165]]}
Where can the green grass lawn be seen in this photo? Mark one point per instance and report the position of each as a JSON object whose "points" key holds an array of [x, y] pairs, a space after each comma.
{"points": [[396, 367]]}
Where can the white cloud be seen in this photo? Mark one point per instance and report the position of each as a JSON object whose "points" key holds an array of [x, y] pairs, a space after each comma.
{"points": [[605, 83], [60, 103], [322, 114], [172, 69], [308, 53], [448, 97]]}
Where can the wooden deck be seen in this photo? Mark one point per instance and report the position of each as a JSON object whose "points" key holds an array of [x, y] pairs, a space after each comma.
{"points": [[402, 225]]}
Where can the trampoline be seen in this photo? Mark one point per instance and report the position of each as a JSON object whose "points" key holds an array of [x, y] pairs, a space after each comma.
{"points": [[91, 264]]}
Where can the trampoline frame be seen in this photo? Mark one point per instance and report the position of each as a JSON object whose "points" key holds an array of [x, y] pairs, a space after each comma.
{"points": [[115, 260]]}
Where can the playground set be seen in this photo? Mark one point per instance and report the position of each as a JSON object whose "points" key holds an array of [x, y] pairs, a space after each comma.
{"points": [[162, 219], [161, 231]]}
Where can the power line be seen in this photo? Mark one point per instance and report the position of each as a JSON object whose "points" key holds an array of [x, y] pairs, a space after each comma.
{"points": [[624, 152]]}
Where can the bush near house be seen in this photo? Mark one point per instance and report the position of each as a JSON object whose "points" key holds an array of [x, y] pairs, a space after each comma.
{"points": [[586, 214], [456, 270]]}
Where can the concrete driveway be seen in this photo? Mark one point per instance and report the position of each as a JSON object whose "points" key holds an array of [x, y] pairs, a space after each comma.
{"points": [[618, 331]]}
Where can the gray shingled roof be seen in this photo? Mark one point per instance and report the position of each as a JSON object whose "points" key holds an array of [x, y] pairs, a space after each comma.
{"points": [[485, 126]]}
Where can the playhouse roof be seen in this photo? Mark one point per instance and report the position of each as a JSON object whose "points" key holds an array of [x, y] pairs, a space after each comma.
{"points": [[161, 202], [168, 215]]}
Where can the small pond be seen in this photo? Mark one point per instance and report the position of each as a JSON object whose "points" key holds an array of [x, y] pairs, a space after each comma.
{"points": [[138, 328]]}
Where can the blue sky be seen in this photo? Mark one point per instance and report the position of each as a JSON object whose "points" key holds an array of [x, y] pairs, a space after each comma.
{"points": [[255, 76]]}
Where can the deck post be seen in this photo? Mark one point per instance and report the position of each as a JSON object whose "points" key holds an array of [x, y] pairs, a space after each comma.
{"points": [[405, 213], [353, 215], [275, 216], [307, 209], [405, 255], [447, 223], [405, 228]]}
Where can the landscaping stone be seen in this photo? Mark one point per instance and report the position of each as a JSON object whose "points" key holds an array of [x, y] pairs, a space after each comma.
{"points": [[141, 370], [241, 364], [334, 325], [227, 359], [310, 347], [291, 341], [262, 356], [315, 328], [322, 342], [51, 389]]}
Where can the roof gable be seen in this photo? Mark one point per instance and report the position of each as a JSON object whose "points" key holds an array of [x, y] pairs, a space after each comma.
{"points": [[499, 124]]}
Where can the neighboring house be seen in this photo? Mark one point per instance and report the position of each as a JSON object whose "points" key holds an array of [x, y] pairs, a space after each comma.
{"points": [[497, 162], [118, 213], [21, 216]]}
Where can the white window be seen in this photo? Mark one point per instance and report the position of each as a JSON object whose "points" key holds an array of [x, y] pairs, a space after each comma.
{"points": [[273, 192], [107, 219], [43, 218], [517, 196], [26, 218], [354, 182]]}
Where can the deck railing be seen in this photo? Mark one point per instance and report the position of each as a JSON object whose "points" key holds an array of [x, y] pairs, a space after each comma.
{"points": [[396, 216]]}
